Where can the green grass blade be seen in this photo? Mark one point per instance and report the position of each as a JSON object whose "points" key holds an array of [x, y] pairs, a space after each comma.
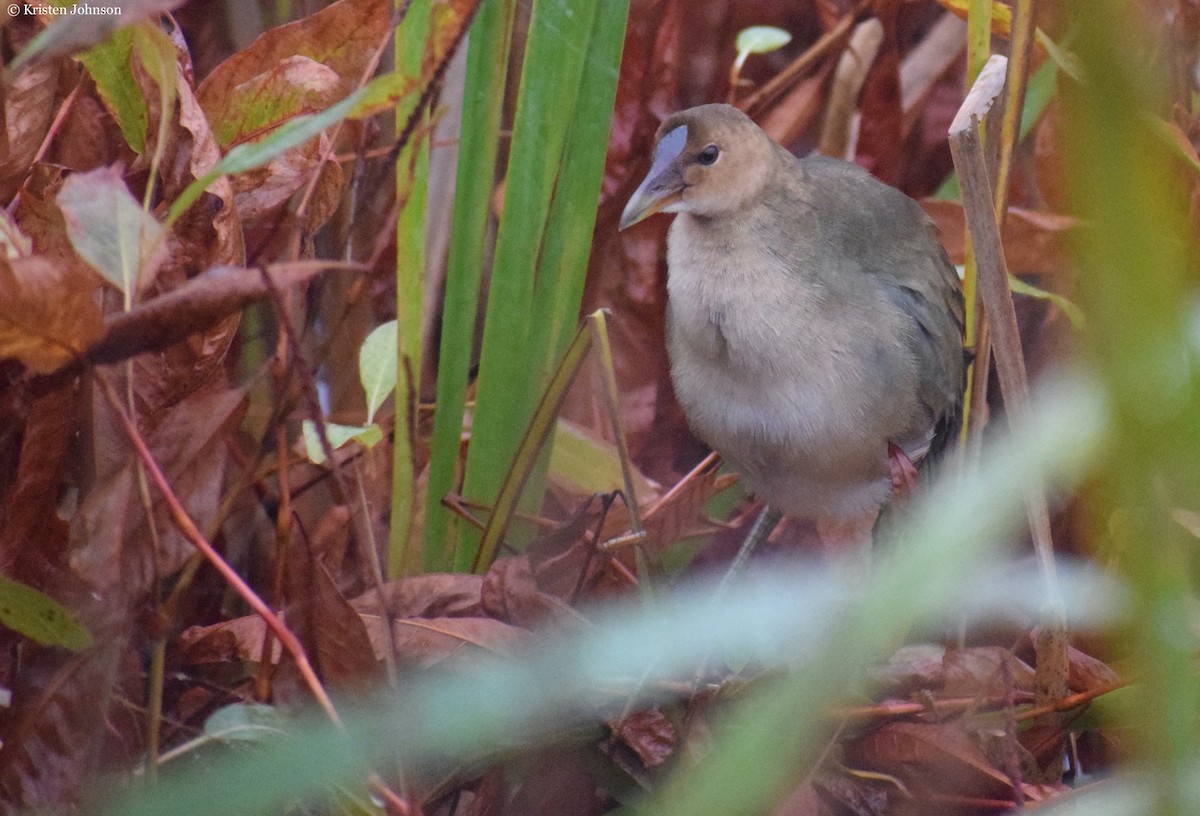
{"points": [[412, 191], [559, 36], [483, 98]]}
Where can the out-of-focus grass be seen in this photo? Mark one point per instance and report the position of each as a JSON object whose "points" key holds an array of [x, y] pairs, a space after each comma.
{"points": [[1137, 282]]}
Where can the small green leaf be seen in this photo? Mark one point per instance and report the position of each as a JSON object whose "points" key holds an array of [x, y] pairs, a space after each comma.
{"points": [[39, 617], [366, 435], [761, 40], [377, 366], [245, 722], [108, 228]]}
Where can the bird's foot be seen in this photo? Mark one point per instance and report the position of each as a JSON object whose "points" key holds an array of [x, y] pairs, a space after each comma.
{"points": [[903, 472]]}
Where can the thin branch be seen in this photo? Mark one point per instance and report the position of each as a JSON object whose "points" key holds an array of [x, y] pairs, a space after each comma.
{"points": [[189, 530]]}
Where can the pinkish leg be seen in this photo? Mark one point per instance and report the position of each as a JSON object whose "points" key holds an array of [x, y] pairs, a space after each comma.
{"points": [[904, 473]]}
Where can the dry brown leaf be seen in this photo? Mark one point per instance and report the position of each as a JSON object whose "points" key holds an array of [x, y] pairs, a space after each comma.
{"points": [[233, 641], [511, 593], [1088, 673], [251, 109], [28, 100], [929, 758], [424, 642], [194, 307], [1034, 242], [649, 733], [436, 595], [984, 671], [48, 312], [333, 634]]}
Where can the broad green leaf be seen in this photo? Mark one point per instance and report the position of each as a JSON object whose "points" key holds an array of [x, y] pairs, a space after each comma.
{"points": [[108, 63], [761, 40], [39, 617], [109, 229], [377, 366], [586, 465], [366, 435]]}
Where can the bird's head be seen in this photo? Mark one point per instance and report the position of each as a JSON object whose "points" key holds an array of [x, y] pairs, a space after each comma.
{"points": [[708, 161]]}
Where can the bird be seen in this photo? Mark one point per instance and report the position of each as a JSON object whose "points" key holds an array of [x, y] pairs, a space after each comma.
{"points": [[814, 322]]}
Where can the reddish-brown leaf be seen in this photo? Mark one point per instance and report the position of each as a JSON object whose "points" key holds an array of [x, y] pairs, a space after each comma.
{"points": [[28, 100], [234, 641], [1088, 673], [984, 671], [343, 36], [929, 758], [880, 139], [1034, 242], [333, 634], [649, 733], [111, 543]]}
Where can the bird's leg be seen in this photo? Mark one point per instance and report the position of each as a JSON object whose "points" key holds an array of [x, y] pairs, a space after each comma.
{"points": [[903, 472], [763, 525], [904, 482]]}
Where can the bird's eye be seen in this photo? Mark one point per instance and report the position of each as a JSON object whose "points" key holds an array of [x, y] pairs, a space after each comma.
{"points": [[708, 155]]}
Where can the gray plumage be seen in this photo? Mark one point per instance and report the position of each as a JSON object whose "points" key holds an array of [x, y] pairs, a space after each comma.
{"points": [[812, 315]]}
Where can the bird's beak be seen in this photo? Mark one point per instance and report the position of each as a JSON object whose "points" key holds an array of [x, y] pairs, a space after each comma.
{"points": [[663, 185]]}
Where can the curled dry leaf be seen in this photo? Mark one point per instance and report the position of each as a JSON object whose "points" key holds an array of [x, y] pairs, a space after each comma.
{"points": [[234, 641], [649, 733], [985, 671], [48, 312], [289, 88], [333, 634], [193, 307], [295, 86], [1088, 673], [511, 593], [436, 595]]}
